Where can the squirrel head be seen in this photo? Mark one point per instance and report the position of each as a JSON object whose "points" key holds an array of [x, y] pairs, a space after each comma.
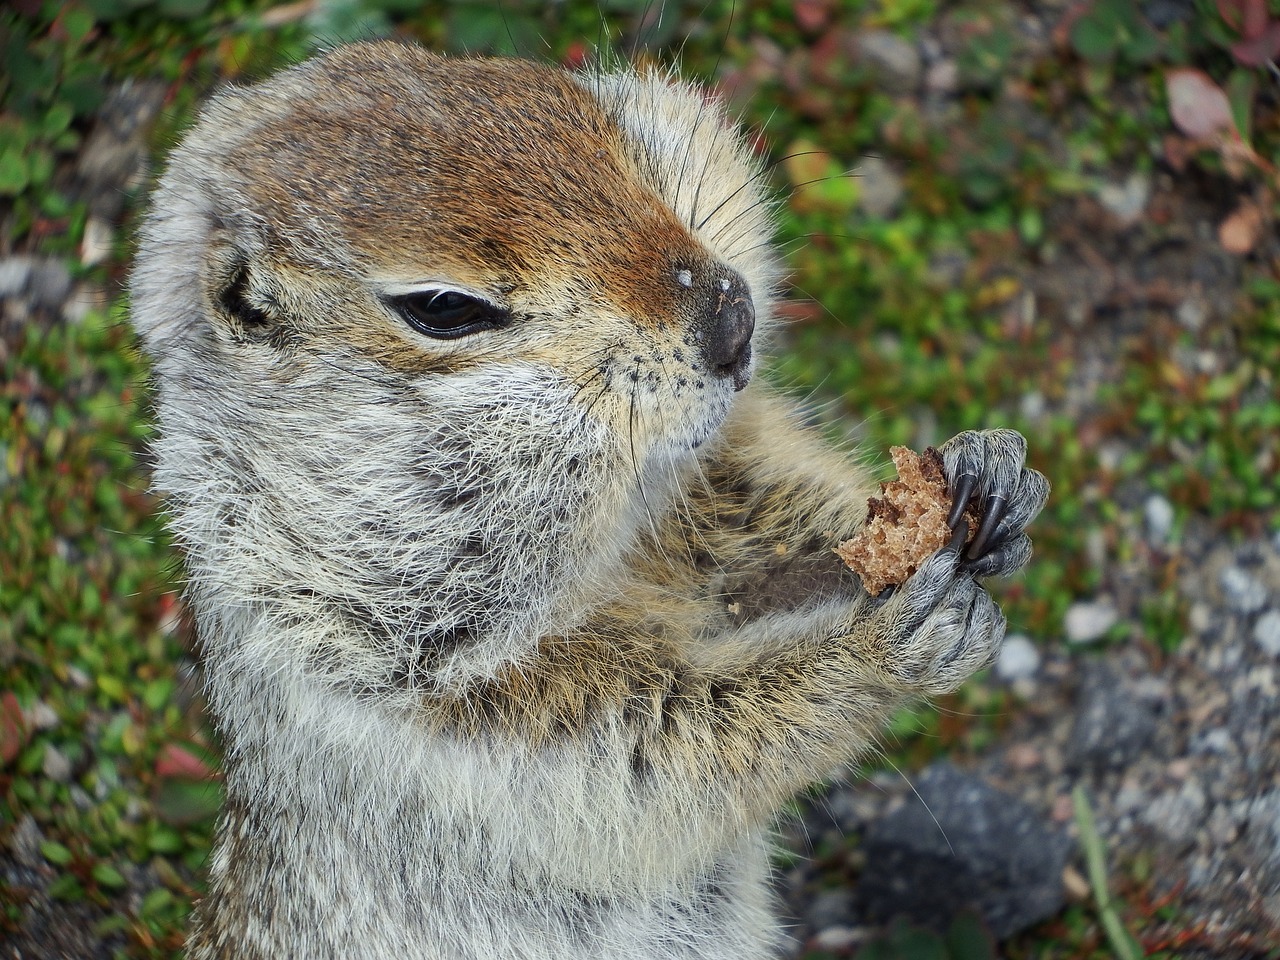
{"points": [[387, 290]]}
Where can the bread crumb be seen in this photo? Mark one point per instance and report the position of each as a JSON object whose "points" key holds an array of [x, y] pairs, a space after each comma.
{"points": [[906, 524]]}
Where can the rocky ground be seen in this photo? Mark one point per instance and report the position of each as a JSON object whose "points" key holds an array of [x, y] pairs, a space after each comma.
{"points": [[1179, 755]]}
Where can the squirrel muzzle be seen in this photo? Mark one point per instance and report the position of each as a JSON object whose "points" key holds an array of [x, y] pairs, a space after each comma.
{"points": [[727, 327]]}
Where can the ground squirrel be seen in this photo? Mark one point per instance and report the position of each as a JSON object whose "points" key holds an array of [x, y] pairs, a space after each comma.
{"points": [[519, 606]]}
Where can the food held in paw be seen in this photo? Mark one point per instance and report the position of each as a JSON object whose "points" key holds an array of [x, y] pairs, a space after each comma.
{"points": [[906, 524]]}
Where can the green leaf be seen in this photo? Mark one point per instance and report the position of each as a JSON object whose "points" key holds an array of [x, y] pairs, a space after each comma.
{"points": [[183, 9], [157, 693], [180, 802], [56, 119], [1241, 87], [66, 887], [15, 175], [77, 21], [55, 853], [1094, 37], [108, 10], [113, 687], [915, 943], [107, 876], [164, 839], [157, 901], [968, 939]]}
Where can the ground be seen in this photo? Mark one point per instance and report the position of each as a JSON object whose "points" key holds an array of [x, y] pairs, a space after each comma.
{"points": [[1055, 216]]}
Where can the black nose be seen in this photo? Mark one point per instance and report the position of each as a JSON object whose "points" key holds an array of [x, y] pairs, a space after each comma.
{"points": [[730, 322]]}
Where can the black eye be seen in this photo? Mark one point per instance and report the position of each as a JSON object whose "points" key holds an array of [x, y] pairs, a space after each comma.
{"points": [[447, 314]]}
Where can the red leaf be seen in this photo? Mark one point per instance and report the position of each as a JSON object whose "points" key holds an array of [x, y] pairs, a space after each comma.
{"points": [[812, 15], [1260, 49], [14, 728], [1246, 17], [1198, 106], [178, 762]]}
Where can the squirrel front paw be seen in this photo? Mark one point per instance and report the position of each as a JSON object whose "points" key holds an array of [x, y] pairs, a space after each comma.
{"points": [[941, 626], [938, 628], [989, 464]]}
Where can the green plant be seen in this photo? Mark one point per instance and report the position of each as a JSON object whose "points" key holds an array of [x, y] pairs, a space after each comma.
{"points": [[1095, 856], [965, 939], [1113, 31]]}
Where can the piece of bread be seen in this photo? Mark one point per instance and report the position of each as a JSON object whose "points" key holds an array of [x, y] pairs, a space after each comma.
{"points": [[906, 524]]}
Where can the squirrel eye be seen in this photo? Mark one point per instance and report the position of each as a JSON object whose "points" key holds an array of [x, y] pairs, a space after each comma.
{"points": [[447, 314]]}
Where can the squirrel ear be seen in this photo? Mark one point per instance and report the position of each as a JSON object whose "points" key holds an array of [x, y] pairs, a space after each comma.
{"points": [[237, 303], [240, 292]]}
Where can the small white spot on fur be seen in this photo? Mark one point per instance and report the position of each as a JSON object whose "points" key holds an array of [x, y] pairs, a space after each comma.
{"points": [[684, 278]]}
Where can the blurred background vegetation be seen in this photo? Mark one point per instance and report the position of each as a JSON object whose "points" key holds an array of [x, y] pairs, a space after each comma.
{"points": [[1054, 216]]}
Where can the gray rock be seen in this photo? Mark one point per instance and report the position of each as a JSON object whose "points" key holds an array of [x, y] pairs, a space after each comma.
{"points": [[879, 187], [942, 78], [50, 282], [1242, 591], [1112, 725], [895, 63], [15, 272], [1088, 621], [831, 908], [1263, 834], [1192, 312], [113, 155], [962, 844], [1019, 659], [1126, 201], [56, 766], [1157, 513], [41, 716], [1178, 814], [1266, 632]]}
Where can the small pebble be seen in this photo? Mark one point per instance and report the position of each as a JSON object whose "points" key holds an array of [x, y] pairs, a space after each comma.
{"points": [[41, 716], [880, 188], [895, 62], [50, 282], [1243, 592], [1023, 756], [1086, 622], [1218, 740], [1127, 200], [96, 244], [1178, 814], [14, 274], [56, 766], [1192, 312], [838, 938], [1019, 659], [942, 78], [1266, 632], [1158, 514], [1200, 617], [1179, 769]]}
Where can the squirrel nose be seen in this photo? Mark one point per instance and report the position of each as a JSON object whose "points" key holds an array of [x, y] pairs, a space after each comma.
{"points": [[730, 322]]}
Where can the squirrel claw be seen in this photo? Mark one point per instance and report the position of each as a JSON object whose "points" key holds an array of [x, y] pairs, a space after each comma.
{"points": [[993, 514], [964, 487]]}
